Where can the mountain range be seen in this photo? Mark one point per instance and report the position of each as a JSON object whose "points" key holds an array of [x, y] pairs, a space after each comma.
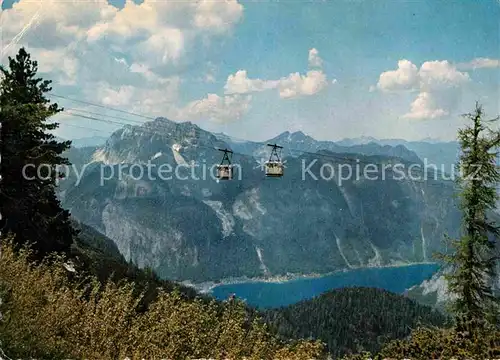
{"points": [[444, 155], [298, 143], [193, 227]]}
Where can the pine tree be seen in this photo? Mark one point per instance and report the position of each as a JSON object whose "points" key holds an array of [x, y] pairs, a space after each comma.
{"points": [[30, 156], [474, 261]]}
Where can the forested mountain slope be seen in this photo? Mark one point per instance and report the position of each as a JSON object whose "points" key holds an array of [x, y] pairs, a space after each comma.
{"points": [[352, 320]]}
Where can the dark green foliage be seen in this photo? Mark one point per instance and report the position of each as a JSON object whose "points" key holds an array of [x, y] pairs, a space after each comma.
{"points": [[473, 263], [435, 343], [30, 208], [353, 319]]}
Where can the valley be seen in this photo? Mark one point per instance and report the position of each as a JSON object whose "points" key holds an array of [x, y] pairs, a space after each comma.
{"points": [[197, 231], [249, 180]]}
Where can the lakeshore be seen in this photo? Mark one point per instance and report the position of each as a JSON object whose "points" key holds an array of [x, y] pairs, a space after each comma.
{"points": [[233, 283]]}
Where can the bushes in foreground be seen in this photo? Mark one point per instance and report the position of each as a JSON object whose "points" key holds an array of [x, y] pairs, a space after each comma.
{"points": [[47, 315], [436, 343], [426, 343]]}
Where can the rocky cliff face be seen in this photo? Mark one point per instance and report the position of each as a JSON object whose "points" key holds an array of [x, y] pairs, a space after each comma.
{"points": [[182, 222], [435, 291]]}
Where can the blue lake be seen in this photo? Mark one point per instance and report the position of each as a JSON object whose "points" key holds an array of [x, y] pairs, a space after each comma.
{"points": [[269, 295]]}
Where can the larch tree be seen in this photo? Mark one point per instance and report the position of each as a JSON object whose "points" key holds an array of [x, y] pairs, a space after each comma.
{"points": [[473, 263]]}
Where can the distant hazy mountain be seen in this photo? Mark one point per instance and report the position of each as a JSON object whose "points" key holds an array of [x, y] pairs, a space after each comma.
{"points": [[89, 141], [433, 152], [190, 228], [296, 143]]}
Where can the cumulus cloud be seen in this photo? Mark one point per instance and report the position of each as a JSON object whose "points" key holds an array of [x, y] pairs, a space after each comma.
{"points": [[291, 86], [156, 33], [155, 101], [405, 77], [162, 31], [440, 75], [237, 98], [314, 59], [239, 83], [297, 85], [60, 63], [216, 108], [128, 57], [425, 107], [51, 24], [436, 81], [432, 75], [217, 16]]}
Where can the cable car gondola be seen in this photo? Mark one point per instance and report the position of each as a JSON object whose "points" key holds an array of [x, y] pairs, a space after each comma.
{"points": [[274, 167], [225, 169]]}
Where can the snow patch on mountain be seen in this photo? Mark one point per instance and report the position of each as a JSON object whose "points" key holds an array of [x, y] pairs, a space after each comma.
{"points": [[156, 156], [177, 156]]}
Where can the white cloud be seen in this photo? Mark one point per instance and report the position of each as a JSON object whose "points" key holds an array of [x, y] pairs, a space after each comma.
{"points": [[217, 16], [216, 108], [236, 101], [163, 47], [116, 97], [124, 57], [161, 32], [404, 78], [440, 75], [153, 101], [480, 63], [239, 83], [155, 33], [436, 81], [314, 59], [297, 85], [62, 64], [425, 107], [150, 76], [51, 24], [291, 86]]}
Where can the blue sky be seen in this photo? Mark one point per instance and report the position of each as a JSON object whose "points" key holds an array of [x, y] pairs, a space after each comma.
{"points": [[333, 69]]}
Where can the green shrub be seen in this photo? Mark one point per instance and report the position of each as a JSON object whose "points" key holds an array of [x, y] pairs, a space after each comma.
{"points": [[46, 315]]}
